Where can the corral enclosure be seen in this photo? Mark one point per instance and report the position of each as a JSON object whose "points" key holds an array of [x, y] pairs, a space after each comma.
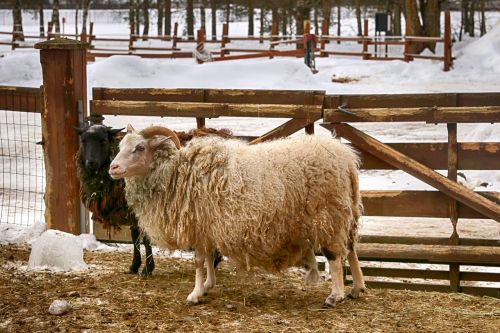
{"points": [[435, 243]]}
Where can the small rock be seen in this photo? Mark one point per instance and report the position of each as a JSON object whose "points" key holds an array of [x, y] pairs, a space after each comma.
{"points": [[230, 306], [74, 294], [59, 307]]}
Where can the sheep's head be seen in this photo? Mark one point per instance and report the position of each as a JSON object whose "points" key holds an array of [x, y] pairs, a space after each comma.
{"points": [[95, 145], [137, 149]]}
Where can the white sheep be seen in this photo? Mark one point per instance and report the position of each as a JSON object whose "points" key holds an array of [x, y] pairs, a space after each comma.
{"points": [[270, 205]]}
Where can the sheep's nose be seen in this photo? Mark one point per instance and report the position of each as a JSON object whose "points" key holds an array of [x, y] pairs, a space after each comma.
{"points": [[113, 167]]}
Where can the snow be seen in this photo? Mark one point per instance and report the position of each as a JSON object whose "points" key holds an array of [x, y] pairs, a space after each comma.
{"points": [[55, 250], [476, 69]]}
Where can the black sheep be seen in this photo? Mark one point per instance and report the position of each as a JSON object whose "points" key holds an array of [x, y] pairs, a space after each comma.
{"points": [[103, 196]]}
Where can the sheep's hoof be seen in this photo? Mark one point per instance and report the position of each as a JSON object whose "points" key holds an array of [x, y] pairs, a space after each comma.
{"points": [[332, 301], [356, 292], [312, 277], [133, 270], [192, 300], [146, 273]]}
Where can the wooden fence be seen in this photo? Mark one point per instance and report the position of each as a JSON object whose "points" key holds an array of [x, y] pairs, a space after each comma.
{"points": [[65, 106]]}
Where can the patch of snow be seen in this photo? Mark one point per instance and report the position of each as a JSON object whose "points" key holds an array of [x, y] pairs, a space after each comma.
{"points": [[16, 234], [58, 251]]}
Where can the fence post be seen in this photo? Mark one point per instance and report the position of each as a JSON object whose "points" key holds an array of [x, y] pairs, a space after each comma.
{"points": [[447, 42], [200, 47], [174, 37], [366, 56], [224, 39], [65, 92], [274, 31], [406, 54]]}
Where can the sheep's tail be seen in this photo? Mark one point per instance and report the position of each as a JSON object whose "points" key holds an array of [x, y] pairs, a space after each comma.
{"points": [[357, 206]]}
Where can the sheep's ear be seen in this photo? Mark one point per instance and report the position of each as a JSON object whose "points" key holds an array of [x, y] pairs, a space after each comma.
{"points": [[114, 131], [130, 129]]}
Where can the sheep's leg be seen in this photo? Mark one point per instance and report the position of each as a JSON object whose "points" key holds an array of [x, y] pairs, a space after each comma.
{"points": [[199, 290], [150, 263], [136, 261], [311, 266], [357, 275], [210, 281], [336, 272]]}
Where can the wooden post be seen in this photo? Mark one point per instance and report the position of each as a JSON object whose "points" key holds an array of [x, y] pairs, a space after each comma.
{"points": [[366, 56], [91, 35], [174, 36], [447, 42], [453, 206], [64, 68], [224, 39], [49, 30]]}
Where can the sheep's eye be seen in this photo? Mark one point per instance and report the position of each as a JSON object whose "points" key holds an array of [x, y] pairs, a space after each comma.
{"points": [[139, 147]]}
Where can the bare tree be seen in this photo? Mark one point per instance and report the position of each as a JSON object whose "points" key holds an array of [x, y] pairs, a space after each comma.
{"points": [[250, 17], [17, 18], [213, 8], [55, 16], [228, 11], [131, 16], [203, 18], [326, 12], [358, 16], [396, 22], [41, 19], [85, 14], [190, 19], [159, 22], [483, 18], [167, 7], [145, 13]]}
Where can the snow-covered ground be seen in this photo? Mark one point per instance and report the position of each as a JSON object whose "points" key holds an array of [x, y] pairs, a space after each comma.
{"points": [[476, 68]]}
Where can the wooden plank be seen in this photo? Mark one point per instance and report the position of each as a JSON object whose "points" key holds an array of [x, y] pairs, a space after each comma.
{"points": [[478, 291], [148, 94], [430, 204], [284, 130], [404, 273], [471, 155], [306, 97], [114, 235], [428, 57], [476, 114], [204, 110], [426, 240], [20, 99], [438, 254], [412, 100], [416, 169], [144, 48], [480, 276], [272, 53]]}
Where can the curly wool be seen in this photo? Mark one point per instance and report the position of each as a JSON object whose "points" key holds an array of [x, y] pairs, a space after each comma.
{"points": [[102, 195], [261, 205]]}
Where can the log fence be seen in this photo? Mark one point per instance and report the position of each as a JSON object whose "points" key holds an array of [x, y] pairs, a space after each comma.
{"points": [[64, 106]]}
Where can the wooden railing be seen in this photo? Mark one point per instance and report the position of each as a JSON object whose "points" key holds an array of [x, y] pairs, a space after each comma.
{"points": [[306, 107]]}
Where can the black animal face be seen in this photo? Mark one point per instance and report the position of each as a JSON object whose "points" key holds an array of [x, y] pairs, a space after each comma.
{"points": [[95, 145]]}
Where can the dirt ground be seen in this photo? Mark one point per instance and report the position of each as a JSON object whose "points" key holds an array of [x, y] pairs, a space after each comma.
{"points": [[105, 299]]}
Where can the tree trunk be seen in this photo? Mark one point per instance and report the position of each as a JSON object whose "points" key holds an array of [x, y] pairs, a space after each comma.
{"points": [[228, 11], [250, 18], [213, 7], [85, 14], [42, 21], [17, 18], [339, 13], [432, 22], [190, 19], [203, 17], [137, 17], [284, 21], [464, 23], [55, 16], [167, 8], [145, 13], [262, 15], [483, 18], [472, 29], [326, 12], [303, 13], [414, 27], [131, 16], [275, 17], [315, 19], [358, 17], [159, 22], [396, 28]]}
